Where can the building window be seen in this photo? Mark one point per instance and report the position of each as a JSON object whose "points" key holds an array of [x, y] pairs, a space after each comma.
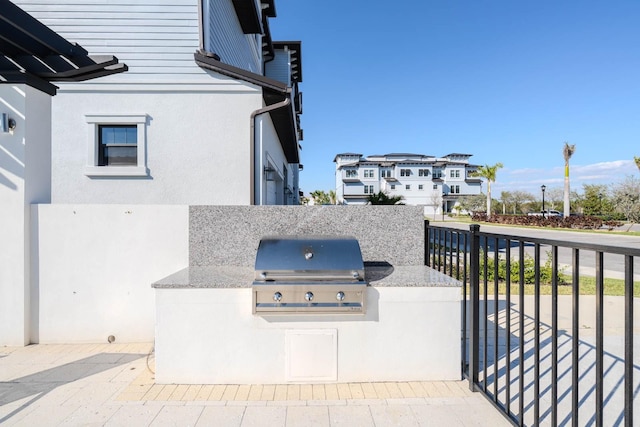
{"points": [[393, 186], [368, 173], [435, 186], [385, 173], [407, 187], [423, 172], [351, 173], [405, 172], [454, 173], [117, 145], [437, 174], [420, 187], [455, 189], [368, 189]]}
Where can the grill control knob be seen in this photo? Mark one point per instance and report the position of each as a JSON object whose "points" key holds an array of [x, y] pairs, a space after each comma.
{"points": [[277, 297], [308, 296], [340, 296]]}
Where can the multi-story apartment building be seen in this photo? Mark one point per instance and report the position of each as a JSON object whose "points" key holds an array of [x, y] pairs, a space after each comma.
{"points": [[436, 183]]}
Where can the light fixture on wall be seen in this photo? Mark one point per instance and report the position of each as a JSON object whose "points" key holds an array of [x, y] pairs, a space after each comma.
{"points": [[269, 173], [7, 124]]}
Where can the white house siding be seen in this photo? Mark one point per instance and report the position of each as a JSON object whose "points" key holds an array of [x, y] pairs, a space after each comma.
{"points": [[95, 267], [224, 36], [24, 179], [270, 151], [280, 67], [153, 37], [198, 145]]}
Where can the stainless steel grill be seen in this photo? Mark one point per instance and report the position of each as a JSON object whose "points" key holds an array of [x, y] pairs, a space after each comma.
{"points": [[317, 274]]}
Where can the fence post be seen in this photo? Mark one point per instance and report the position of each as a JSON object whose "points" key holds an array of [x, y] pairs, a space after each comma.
{"points": [[427, 260], [474, 304]]}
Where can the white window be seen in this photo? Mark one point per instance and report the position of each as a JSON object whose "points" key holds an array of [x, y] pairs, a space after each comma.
{"points": [[393, 186], [351, 173], [407, 187], [405, 172], [368, 173], [368, 189], [454, 173], [455, 189], [423, 172], [117, 145], [435, 186], [437, 174], [385, 173], [420, 187]]}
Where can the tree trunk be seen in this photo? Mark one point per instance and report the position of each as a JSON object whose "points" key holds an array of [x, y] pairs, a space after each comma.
{"points": [[488, 198], [567, 202]]}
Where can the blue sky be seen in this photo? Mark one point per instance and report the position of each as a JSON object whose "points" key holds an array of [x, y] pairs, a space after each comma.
{"points": [[505, 80]]}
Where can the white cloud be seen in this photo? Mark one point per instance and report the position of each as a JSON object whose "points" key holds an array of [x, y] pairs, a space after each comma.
{"points": [[529, 179]]}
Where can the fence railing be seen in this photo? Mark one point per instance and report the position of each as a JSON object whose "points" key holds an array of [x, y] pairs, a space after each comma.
{"points": [[542, 337]]}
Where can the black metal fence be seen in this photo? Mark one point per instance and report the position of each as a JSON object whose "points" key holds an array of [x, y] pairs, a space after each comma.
{"points": [[541, 337]]}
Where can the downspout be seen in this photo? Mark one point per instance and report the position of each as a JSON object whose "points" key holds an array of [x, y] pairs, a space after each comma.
{"points": [[252, 148], [201, 14]]}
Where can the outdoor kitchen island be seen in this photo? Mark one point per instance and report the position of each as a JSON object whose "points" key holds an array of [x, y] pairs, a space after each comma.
{"points": [[207, 332]]}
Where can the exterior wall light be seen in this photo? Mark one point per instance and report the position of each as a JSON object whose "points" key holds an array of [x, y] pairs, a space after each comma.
{"points": [[7, 124], [269, 173]]}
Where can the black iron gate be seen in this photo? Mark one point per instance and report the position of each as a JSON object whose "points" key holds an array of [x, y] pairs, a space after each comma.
{"points": [[542, 356]]}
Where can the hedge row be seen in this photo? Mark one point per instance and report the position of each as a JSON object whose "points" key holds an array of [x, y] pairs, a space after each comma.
{"points": [[578, 222]]}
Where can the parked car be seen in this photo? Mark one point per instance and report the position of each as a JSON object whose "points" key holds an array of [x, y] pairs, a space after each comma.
{"points": [[546, 213]]}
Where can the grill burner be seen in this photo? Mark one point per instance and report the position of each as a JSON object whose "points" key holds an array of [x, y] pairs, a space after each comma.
{"points": [[309, 275]]}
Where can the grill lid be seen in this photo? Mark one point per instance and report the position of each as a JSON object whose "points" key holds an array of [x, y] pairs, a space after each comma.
{"points": [[309, 258]]}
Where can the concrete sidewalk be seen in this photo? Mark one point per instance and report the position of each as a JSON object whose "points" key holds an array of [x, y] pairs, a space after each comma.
{"points": [[112, 384]]}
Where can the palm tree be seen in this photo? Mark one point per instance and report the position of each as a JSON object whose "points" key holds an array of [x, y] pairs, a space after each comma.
{"points": [[332, 197], [383, 199], [567, 152], [637, 160], [489, 173]]}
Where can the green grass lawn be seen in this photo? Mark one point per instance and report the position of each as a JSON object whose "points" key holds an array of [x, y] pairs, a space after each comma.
{"points": [[613, 287]]}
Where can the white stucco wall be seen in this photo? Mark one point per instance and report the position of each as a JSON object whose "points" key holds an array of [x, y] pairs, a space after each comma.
{"points": [[269, 151], [24, 179], [210, 336], [94, 265], [198, 144]]}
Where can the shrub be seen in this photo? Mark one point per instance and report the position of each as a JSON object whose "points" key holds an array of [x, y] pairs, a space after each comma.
{"points": [[577, 222], [546, 270]]}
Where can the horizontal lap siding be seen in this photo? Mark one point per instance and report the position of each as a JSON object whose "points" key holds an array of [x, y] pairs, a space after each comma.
{"points": [[150, 36], [279, 68], [227, 40]]}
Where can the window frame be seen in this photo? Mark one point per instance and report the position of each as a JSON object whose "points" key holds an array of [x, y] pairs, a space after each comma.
{"points": [[351, 173], [94, 121]]}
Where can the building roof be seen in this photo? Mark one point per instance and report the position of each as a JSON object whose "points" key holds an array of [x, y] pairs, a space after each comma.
{"points": [[458, 155], [346, 154], [404, 155], [295, 49], [34, 54], [274, 91]]}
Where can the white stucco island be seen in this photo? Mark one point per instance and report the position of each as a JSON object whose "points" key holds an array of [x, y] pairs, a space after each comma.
{"points": [[206, 332]]}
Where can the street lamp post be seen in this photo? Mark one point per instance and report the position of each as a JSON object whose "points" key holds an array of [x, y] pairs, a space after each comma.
{"points": [[444, 203], [543, 187]]}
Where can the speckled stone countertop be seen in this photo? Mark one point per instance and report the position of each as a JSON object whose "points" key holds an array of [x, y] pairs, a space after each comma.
{"points": [[221, 277]]}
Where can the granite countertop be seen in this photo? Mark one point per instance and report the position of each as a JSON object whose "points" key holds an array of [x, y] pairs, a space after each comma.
{"points": [[378, 275]]}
